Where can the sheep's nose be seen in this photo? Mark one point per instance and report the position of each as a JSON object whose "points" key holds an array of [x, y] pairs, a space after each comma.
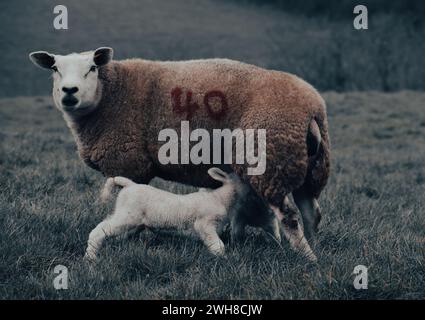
{"points": [[71, 90]]}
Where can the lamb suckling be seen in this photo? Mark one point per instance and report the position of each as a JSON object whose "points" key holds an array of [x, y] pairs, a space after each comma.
{"points": [[205, 212]]}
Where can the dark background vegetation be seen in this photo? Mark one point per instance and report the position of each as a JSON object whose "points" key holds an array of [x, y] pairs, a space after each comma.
{"points": [[313, 39], [337, 9], [373, 206]]}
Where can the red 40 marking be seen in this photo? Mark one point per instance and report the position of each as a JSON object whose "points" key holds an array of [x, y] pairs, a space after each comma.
{"points": [[190, 107]]}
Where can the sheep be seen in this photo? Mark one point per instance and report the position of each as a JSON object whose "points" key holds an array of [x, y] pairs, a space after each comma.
{"points": [[116, 109], [140, 205]]}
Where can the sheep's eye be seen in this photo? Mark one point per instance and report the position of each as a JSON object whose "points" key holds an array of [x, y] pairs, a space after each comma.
{"points": [[55, 69], [92, 68]]}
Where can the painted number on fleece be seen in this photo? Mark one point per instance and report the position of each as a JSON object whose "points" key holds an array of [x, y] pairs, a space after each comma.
{"points": [[182, 103]]}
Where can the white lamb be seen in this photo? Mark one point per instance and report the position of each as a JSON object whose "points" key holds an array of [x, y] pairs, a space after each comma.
{"points": [[204, 212]]}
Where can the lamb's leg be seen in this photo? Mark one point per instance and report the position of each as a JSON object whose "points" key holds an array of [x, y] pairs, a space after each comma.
{"points": [[310, 211], [113, 226], [134, 232], [96, 238], [293, 232], [272, 227], [207, 230], [223, 229], [237, 226]]}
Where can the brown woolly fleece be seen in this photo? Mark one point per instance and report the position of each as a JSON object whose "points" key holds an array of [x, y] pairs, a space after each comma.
{"points": [[120, 138]]}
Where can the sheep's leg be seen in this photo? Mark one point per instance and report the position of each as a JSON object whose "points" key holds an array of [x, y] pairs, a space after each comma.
{"points": [[310, 211], [293, 232], [207, 231], [113, 226]]}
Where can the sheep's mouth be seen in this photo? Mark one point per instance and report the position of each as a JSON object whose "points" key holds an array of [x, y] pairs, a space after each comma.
{"points": [[69, 101]]}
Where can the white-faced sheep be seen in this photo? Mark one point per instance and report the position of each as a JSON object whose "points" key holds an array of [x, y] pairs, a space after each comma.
{"points": [[141, 205], [116, 109]]}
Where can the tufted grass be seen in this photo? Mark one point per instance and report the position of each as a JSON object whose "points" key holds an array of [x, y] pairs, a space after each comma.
{"points": [[373, 212]]}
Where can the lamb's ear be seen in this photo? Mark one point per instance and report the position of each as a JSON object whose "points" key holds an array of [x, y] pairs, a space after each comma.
{"points": [[42, 59], [218, 174], [103, 55]]}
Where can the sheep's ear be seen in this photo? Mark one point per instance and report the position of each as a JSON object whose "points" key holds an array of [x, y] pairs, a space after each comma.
{"points": [[42, 59], [218, 174], [103, 55]]}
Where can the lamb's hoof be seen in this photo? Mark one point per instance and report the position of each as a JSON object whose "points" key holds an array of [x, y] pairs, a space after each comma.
{"points": [[90, 258], [218, 253], [217, 250], [311, 257]]}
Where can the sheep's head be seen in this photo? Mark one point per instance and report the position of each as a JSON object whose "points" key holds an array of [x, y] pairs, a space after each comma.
{"points": [[76, 86]]}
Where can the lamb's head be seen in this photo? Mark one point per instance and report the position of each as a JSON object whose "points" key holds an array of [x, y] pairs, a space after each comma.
{"points": [[243, 196], [76, 86], [231, 180]]}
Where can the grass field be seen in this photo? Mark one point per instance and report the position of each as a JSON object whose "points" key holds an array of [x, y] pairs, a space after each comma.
{"points": [[373, 212]]}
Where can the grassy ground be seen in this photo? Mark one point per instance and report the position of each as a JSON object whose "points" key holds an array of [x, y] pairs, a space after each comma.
{"points": [[373, 215]]}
